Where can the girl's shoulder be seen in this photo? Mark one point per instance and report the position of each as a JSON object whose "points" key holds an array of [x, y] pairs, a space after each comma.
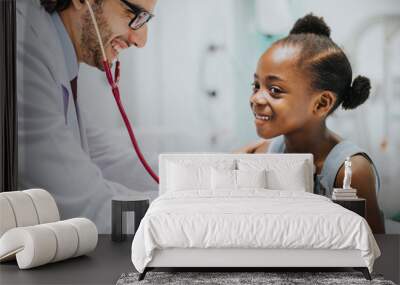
{"points": [[363, 167], [362, 172]]}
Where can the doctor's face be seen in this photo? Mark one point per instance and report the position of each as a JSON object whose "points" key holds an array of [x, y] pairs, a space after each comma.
{"points": [[113, 18], [281, 101]]}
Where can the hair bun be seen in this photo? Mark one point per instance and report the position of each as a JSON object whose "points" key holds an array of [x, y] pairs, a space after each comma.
{"points": [[358, 93], [311, 24]]}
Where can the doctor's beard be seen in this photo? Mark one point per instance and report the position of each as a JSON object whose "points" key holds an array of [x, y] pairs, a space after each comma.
{"points": [[90, 46]]}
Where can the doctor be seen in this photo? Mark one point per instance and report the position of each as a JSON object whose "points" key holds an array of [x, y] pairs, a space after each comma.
{"points": [[80, 165]]}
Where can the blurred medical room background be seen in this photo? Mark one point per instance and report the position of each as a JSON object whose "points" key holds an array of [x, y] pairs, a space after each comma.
{"points": [[188, 89]]}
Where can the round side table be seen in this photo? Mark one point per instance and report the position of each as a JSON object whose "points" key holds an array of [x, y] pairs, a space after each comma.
{"points": [[119, 207]]}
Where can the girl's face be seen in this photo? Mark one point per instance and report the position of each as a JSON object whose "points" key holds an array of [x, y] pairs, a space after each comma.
{"points": [[281, 101]]}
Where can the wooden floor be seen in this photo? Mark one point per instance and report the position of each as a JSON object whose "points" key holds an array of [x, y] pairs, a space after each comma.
{"points": [[110, 260]]}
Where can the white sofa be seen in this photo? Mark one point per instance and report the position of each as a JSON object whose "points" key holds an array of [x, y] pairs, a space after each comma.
{"points": [[31, 231]]}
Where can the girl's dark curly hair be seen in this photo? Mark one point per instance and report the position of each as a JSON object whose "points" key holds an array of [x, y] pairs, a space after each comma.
{"points": [[326, 63]]}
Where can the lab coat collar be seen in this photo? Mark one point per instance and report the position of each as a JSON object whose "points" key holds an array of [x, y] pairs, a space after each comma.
{"points": [[69, 51], [50, 47]]}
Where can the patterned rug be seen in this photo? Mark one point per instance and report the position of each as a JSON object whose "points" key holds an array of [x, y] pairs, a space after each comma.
{"points": [[244, 278]]}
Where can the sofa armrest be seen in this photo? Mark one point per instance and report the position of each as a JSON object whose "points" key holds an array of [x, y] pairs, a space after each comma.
{"points": [[41, 244]]}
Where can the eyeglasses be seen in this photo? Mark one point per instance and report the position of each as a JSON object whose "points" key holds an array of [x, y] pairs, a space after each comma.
{"points": [[141, 16]]}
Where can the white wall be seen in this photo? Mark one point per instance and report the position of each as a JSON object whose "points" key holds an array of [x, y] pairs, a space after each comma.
{"points": [[163, 84]]}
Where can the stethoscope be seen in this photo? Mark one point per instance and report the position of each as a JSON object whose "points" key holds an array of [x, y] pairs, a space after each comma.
{"points": [[117, 97]]}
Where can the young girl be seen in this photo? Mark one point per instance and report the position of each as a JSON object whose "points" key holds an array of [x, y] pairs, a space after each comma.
{"points": [[300, 80]]}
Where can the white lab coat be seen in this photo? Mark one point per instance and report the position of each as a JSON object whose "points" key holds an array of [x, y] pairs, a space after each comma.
{"points": [[82, 167]]}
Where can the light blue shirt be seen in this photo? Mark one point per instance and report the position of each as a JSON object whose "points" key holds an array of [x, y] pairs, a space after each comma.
{"points": [[69, 51]]}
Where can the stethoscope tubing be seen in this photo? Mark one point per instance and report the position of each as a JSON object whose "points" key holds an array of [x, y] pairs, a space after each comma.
{"points": [[117, 97]]}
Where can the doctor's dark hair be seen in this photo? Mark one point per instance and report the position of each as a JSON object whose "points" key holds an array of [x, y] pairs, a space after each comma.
{"points": [[52, 6], [326, 63]]}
